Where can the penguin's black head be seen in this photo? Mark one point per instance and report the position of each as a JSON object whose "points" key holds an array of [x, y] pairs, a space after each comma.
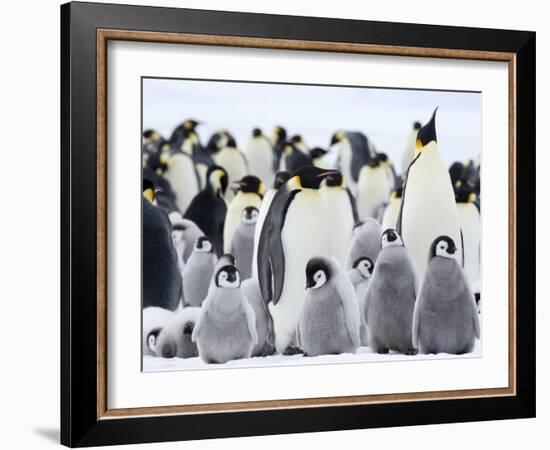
{"points": [[280, 179], [151, 135], [256, 132], [231, 142], [443, 246], [364, 265], [337, 137], [382, 157], [334, 179], [148, 190], [228, 277], [280, 133], [203, 245], [456, 171], [251, 184], [152, 339], [317, 273], [390, 238], [417, 125], [250, 215], [397, 192], [216, 177], [317, 152], [190, 124], [296, 139], [311, 176], [464, 192], [426, 134]]}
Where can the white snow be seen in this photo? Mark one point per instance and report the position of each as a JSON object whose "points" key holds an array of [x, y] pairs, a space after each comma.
{"points": [[363, 355]]}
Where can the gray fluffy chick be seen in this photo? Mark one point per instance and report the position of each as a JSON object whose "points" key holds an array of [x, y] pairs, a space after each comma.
{"points": [[154, 319], [446, 319], [365, 242], [360, 275], [198, 272], [175, 338]]}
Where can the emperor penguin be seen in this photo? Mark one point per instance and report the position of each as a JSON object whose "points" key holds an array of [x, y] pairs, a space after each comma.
{"points": [[292, 158], [341, 204], [264, 323], [260, 157], [364, 242], [329, 320], [233, 161], [372, 188], [445, 316], [278, 141], [164, 195], [152, 140], [391, 213], [185, 233], [154, 319], [389, 301], [353, 154], [226, 326], [360, 275], [428, 206], [250, 190], [410, 148], [280, 179], [208, 208], [183, 178], [298, 142], [198, 272], [202, 159], [296, 228], [174, 340], [390, 171], [179, 133], [242, 241], [468, 206], [318, 158], [161, 279]]}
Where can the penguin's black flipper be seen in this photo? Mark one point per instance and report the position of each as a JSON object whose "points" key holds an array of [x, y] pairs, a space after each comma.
{"points": [[398, 227], [360, 154], [353, 203]]}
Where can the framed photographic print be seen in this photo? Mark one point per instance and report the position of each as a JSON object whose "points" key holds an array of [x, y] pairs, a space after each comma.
{"points": [[277, 224]]}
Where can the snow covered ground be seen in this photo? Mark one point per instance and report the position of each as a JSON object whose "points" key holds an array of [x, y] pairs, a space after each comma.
{"points": [[364, 355]]}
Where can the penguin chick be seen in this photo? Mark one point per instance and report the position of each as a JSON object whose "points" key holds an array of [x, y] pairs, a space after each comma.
{"points": [[175, 338], [264, 323], [154, 320], [185, 233], [445, 317], [389, 302], [226, 326], [197, 272], [365, 242], [359, 276], [329, 320], [242, 243]]}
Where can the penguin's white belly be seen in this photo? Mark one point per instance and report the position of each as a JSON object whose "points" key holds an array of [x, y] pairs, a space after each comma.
{"points": [[470, 225], [260, 162], [391, 214], [429, 212], [183, 180], [341, 220], [306, 233], [264, 208], [372, 189], [234, 215]]}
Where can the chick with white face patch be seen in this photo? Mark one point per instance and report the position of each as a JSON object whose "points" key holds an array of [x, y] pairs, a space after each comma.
{"points": [[242, 243], [226, 327], [372, 187], [250, 190], [329, 321], [175, 337], [340, 202], [280, 179], [359, 276], [260, 157], [428, 207], [154, 320], [445, 316], [365, 242], [296, 228], [389, 302], [197, 272], [233, 161]]}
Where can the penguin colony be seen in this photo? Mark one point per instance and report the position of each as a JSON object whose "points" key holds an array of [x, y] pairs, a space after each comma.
{"points": [[282, 249]]}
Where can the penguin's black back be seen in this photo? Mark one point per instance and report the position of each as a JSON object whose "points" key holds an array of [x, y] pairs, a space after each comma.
{"points": [[161, 280], [296, 160], [360, 154]]}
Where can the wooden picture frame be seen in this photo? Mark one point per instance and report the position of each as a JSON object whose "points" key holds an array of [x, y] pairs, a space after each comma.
{"points": [[85, 30]]}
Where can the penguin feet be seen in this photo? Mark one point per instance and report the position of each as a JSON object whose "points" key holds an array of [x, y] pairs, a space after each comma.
{"points": [[383, 351], [411, 352], [292, 350]]}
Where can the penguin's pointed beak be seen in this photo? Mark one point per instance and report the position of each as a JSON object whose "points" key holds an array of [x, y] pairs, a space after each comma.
{"points": [[327, 173]]}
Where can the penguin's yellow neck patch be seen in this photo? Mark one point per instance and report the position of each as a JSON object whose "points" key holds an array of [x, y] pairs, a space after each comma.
{"points": [[149, 194], [295, 183]]}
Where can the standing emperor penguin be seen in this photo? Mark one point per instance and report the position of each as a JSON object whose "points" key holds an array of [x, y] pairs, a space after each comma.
{"points": [[280, 179], [183, 178], [365, 242], [329, 321], [360, 276], [445, 317], [208, 208], [296, 228], [198, 272], [278, 141], [391, 213], [264, 323], [292, 158], [242, 242], [410, 148], [299, 144], [250, 192], [372, 187], [389, 302], [260, 157], [161, 277], [233, 161], [154, 319], [341, 204], [468, 206], [428, 206], [175, 337], [353, 154], [226, 326]]}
